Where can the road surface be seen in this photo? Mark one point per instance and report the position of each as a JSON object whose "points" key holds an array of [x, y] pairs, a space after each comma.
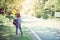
{"points": [[42, 29]]}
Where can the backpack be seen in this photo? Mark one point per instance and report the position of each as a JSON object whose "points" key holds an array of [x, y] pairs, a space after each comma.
{"points": [[15, 21]]}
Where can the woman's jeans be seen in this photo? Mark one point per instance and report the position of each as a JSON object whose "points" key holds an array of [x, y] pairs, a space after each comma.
{"points": [[19, 29]]}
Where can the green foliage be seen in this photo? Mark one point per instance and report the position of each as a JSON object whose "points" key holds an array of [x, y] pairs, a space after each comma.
{"points": [[47, 8], [38, 10], [44, 16], [10, 5], [9, 17], [2, 18], [2, 3], [58, 10], [8, 33], [38, 16], [7, 30]]}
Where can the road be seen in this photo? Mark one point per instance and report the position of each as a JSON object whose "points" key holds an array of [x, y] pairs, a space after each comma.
{"points": [[42, 29]]}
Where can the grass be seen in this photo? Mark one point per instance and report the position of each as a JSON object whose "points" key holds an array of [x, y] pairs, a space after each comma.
{"points": [[7, 30], [8, 33]]}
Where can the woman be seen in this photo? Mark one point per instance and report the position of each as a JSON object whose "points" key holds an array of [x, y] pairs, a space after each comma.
{"points": [[18, 23]]}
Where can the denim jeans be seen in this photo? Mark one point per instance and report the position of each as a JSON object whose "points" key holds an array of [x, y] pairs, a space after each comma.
{"points": [[19, 29]]}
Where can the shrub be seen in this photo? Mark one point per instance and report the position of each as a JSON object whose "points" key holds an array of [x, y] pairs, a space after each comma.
{"points": [[2, 17], [38, 16], [45, 16]]}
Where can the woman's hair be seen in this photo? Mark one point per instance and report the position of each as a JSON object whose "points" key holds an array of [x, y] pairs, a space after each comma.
{"points": [[18, 15]]}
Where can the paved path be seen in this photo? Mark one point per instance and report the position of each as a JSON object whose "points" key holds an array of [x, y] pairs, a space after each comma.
{"points": [[42, 29]]}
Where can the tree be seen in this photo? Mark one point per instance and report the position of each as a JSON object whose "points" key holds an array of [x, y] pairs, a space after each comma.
{"points": [[9, 5]]}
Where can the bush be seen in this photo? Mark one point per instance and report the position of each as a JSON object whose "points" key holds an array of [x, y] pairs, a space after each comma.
{"points": [[38, 16], [57, 10], [2, 18], [45, 16], [9, 17]]}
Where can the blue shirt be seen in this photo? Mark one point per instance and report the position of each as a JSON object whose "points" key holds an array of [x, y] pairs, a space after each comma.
{"points": [[19, 21]]}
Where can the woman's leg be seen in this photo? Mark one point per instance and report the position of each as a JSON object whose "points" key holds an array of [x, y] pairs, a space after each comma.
{"points": [[20, 29], [16, 30]]}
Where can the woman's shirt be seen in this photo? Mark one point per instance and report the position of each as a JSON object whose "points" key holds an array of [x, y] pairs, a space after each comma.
{"points": [[19, 20]]}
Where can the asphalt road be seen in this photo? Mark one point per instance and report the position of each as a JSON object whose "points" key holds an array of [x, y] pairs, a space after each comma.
{"points": [[46, 33], [44, 29]]}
